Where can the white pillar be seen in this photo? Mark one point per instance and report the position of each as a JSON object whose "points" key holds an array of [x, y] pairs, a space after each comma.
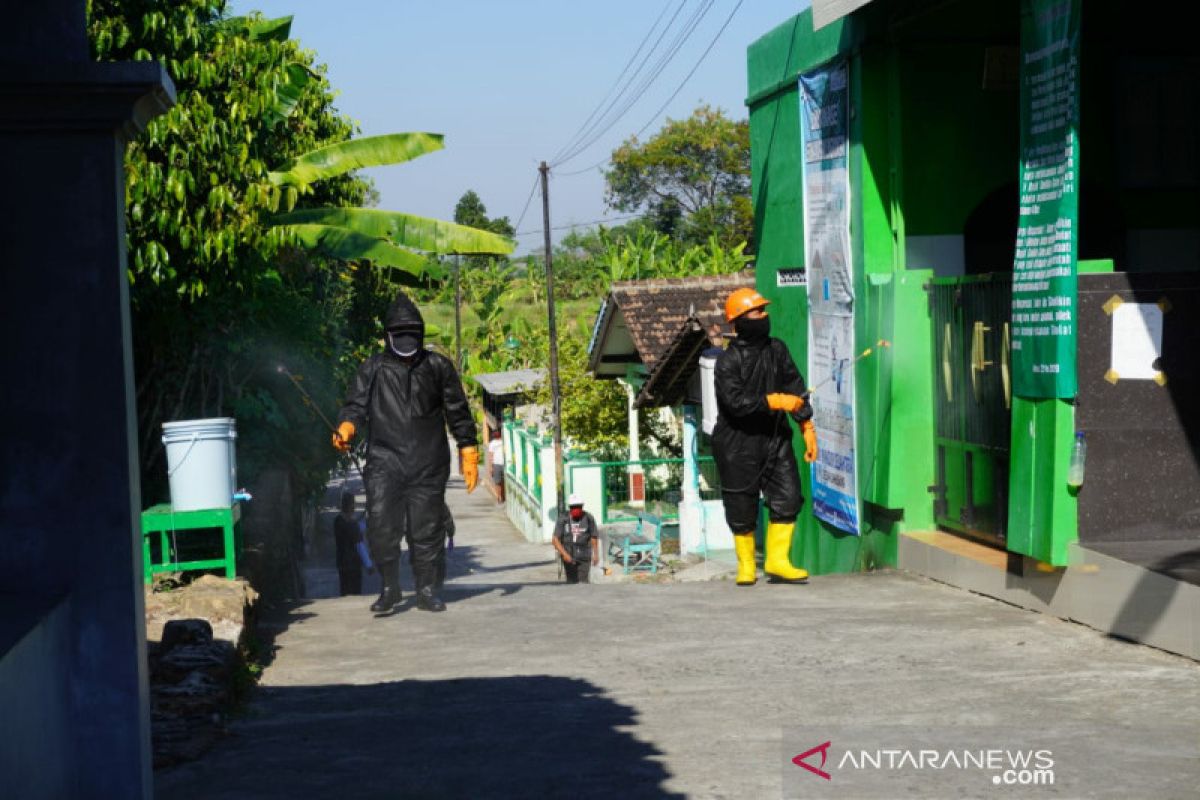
{"points": [[637, 481]]}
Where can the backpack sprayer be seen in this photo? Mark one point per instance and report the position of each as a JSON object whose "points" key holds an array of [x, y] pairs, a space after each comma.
{"points": [[308, 401]]}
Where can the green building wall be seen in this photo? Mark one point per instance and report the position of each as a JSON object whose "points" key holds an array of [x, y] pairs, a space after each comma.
{"points": [[894, 387], [961, 146]]}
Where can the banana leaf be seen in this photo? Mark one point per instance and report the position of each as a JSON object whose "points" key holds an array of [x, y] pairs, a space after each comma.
{"points": [[370, 151], [351, 246], [419, 233], [289, 92], [275, 30]]}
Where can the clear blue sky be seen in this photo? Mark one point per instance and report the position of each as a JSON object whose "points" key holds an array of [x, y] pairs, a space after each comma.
{"points": [[509, 83]]}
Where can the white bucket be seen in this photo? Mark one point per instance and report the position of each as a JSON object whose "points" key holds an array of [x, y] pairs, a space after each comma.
{"points": [[201, 462]]}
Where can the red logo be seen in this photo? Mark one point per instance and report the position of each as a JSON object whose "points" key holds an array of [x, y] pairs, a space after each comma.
{"points": [[799, 760]]}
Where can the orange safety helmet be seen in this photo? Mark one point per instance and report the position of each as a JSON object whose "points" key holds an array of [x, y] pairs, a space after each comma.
{"points": [[741, 301]]}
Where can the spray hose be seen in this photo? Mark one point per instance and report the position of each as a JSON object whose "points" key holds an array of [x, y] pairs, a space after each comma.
{"points": [[308, 401]]}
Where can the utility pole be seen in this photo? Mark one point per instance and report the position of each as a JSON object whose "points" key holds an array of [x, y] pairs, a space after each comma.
{"points": [[555, 388], [458, 364]]}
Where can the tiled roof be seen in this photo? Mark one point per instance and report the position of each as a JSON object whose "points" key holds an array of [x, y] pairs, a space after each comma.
{"points": [[655, 311], [667, 383]]}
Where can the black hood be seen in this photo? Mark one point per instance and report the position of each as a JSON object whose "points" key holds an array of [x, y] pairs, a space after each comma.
{"points": [[403, 314]]}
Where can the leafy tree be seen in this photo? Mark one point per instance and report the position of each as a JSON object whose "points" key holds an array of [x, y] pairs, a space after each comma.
{"points": [[218, 298], [692, 178], [471, 211]]}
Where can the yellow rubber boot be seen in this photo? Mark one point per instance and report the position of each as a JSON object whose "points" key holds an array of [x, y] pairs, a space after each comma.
{"points": [[779, 543], [743, 544]]}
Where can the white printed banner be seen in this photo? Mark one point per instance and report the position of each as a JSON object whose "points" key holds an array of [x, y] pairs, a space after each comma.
{"points": [[825, 125]]}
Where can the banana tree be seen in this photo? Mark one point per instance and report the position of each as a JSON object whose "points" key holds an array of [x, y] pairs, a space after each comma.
{"points": [[386, 238]]}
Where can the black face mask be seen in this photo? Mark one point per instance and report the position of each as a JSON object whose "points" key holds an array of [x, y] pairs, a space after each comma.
{"points": [[752, 331]]}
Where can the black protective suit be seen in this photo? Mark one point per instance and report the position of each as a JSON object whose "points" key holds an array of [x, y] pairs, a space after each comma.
{"points": [[406, 405], [752, 445]]}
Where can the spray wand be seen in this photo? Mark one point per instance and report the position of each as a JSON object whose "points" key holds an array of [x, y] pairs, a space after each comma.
{"points": [[837, 373], [308, 401]]}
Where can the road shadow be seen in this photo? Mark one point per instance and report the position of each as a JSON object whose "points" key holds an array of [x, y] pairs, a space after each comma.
{"points": [[523, 736]]}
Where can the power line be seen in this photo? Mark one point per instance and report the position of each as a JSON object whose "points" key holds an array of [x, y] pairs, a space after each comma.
{"points": [[528, 200], [688, 77], [567, 152], [578, 224], [674, 94], [571, 141], [664, 60]]}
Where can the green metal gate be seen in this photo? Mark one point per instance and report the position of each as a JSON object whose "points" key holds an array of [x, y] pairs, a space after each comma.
{"points": [[973, 401]]}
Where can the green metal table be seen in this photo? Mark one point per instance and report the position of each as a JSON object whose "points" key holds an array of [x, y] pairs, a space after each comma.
{"points": [[166, 522]]}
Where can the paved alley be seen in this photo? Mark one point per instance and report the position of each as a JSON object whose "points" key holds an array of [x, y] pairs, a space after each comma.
{"points": [[529, 688]]}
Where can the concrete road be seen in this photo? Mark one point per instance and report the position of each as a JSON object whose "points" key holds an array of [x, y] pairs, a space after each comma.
{"points": [[528, 688]]}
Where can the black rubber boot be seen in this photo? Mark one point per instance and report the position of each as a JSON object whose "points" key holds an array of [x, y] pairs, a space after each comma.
{"points": [[427, 600], [440, 573], [391, 595]]}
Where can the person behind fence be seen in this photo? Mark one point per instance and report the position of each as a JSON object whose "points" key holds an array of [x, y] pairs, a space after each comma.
{"points": [[407, 396], [577, 540], [496, 456], [758, 386], [346, 536]]}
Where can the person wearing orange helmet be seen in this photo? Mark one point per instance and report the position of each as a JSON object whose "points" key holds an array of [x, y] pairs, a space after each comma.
{"points": [[758, 387]]}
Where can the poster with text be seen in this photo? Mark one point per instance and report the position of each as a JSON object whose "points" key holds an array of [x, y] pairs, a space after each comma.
{"points": [[1044, 269], [825, 126]]}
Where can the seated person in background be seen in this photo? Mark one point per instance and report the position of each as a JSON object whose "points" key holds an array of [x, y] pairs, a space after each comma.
{"points": [[577, 540]]}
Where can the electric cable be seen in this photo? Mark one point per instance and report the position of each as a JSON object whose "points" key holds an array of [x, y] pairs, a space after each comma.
{"points": [[566, 152], [673, 94], [578, 224], [688, 77], [646, 38], [528, 200], [664, 60]]}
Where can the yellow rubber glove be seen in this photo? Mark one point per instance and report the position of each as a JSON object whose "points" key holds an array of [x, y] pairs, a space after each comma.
{"points": [[342, 437], [790, 403], [810, 441], [470, 467]]}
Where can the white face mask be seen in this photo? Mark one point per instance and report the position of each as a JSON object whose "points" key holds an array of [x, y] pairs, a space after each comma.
{"points": [[404, 345]]}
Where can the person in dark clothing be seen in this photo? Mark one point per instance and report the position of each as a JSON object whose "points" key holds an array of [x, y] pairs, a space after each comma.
{"points": [[346, 536], [407, 396], [577, 540], [757, 386]]}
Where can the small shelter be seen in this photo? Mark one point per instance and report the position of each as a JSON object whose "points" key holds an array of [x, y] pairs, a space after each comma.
{"points": [[506, 392]]}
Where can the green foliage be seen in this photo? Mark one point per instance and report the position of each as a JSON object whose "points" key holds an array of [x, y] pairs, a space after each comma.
{"points": [[470, 210], [692, 178], [219, 297], [409, 230], [342, 157], [349, 245], [594, 412]]}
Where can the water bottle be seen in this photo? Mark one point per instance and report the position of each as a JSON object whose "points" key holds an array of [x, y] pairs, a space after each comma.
{"points": [[1078, 454]]}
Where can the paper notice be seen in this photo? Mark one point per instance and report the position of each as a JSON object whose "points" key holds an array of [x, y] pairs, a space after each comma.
{"points": [[1136, 341]]}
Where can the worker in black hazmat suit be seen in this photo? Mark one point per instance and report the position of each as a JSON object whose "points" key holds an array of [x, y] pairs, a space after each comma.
{"points": [[406, 396], [758, 386]]}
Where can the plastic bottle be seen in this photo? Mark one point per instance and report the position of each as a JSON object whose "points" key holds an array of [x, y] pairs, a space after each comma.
{"points": [[1078, 455]]}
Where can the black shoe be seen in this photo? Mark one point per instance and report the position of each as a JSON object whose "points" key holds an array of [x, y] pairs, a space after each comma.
{"points": [[428, 601], [389, 598], [391, 595]]}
